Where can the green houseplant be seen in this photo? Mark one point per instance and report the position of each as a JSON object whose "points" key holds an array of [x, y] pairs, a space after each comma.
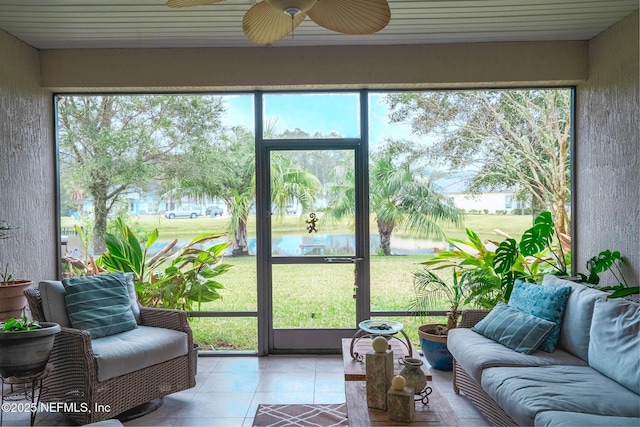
{"points": [[471, 255], [12, 299], [457, 292], [480, 277], [535, 255], [26, 346], [608, 260], [166, 279]]}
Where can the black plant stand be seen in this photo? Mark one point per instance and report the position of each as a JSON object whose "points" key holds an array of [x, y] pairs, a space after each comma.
{"points": [[27, 393]]}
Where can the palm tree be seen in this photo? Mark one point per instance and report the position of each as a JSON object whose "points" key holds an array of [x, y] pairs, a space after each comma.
{"points": [[228, 173], [289, 181], [399, 197]]}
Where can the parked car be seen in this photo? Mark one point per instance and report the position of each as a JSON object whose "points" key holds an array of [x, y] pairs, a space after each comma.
{"points": [[184, 212], [214, 211], [290, 210]]}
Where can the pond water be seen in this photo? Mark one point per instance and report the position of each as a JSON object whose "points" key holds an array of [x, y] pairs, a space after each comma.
{"points": [[329, 244]]}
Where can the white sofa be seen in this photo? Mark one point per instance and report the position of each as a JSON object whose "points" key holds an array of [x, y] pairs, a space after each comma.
{"points": [[591, 379]]}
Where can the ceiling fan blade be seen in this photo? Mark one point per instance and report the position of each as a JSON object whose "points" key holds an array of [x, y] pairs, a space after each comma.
{"points": [[351, 16], [263, 24], [189, 3]]}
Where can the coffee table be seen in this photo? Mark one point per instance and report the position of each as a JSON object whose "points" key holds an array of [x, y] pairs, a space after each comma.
{"points": [[437, 413]]}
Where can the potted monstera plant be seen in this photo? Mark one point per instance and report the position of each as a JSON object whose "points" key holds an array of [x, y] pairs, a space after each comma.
{"points": [[12, 299]]}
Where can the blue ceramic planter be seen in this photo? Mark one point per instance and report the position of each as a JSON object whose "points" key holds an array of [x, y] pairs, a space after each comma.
{"points": [[434, 348]]}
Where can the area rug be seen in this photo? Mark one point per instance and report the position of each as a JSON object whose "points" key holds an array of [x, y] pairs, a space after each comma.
{"points": [[312, 415]]}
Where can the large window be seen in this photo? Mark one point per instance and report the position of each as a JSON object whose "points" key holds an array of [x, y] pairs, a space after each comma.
{"points": [[179, 164], [439, 162], [495, 156]]}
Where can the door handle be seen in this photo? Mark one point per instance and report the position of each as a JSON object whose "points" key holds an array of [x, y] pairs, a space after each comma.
{"points": [[343, 260]]}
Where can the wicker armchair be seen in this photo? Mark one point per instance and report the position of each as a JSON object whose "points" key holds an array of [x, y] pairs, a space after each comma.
{"points": [[74, 378], [462, 381]]}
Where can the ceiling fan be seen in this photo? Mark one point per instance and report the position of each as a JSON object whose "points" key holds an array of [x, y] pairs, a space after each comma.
{"points": [[270, 20]]}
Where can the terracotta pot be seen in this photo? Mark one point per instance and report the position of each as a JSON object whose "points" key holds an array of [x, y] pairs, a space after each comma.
{"points": [[12, 299], [434, 348]]}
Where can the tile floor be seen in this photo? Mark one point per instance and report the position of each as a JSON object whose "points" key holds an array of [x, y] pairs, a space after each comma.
{"points": [[229, 390]]}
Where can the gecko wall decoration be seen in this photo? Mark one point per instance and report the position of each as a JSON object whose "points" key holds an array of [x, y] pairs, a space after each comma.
{"points": [[311, 223]]}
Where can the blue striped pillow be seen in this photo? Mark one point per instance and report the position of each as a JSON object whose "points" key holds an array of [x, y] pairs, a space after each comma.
{"points": [[512, 328], [99, 304]]}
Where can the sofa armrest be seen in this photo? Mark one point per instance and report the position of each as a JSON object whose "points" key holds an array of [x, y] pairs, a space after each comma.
{"points": [[165, 318], [74, 367], [74, 341], [470, 317]]}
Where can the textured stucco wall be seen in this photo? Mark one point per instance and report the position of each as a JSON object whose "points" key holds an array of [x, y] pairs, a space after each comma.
{"points": [[607, 211], [27, 171]]}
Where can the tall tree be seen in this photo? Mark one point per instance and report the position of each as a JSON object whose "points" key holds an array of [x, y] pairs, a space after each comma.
{"points": [[400, 197], [514, 138], [112, 144], [227, 171]]}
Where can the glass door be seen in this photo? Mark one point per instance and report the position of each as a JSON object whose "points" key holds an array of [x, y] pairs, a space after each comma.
{"points": [[311, 219], [314, 254]]}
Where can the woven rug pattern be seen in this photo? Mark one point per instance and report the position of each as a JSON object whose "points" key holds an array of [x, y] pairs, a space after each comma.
{"points": [[311, 415]]}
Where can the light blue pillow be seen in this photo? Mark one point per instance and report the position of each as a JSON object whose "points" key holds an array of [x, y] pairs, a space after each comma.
{"points": [[99, 304], [512, 328], [546, 302], [615, 341]]}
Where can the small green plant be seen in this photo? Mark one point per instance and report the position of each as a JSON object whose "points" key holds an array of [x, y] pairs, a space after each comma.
{"points": [[5, 275], [608, 261], [20, 325], [473, 265], [4, 229], [431, 288]]}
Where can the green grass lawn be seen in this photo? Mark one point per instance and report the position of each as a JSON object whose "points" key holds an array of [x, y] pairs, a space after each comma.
{"points": [[310, 296], [484, 225]]}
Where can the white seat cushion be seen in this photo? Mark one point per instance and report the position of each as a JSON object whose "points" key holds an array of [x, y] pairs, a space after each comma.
{"points": [[576, 419], [138, 348], [475, 352], [525, 392]]}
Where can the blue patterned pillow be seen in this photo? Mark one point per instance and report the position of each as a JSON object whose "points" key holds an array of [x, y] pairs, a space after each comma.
{"points": [[546, 302], [512, 328], [99, 304]]}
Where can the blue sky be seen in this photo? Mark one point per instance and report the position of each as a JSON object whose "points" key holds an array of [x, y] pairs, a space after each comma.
{"points": [[327, 112], [322, 113]]}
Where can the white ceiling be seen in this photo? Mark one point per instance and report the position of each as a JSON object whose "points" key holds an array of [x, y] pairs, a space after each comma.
{"points": [[56, 24]]}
